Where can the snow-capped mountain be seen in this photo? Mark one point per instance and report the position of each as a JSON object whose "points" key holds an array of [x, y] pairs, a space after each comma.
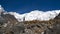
{"points": [[34, 15]]}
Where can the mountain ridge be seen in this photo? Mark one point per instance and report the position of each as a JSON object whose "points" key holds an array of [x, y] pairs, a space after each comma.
{"points": [[33, 15], [36, 15], [34, 22]]}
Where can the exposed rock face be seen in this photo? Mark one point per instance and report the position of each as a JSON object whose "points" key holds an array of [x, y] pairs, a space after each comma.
{"points": [[9, 18], [9, 25], [57, 17], [7, 21], [2, 20]]}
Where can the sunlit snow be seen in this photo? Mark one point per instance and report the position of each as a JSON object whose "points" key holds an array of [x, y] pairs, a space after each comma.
{"points": [[34, 15]]}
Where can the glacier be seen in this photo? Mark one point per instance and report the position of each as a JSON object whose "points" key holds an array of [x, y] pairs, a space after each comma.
{"points": [[36, 15], [33, 15]]}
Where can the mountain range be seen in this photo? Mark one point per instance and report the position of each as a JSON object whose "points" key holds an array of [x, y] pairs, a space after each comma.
{"points": [[34, 22]]}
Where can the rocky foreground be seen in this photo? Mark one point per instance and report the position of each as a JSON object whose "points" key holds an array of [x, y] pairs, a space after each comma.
{"points": [[9, 25]]}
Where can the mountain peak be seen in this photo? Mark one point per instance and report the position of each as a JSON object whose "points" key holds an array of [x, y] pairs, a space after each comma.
{"points": [[33, 15], [0, 6], [1, 9], [36, 15]]}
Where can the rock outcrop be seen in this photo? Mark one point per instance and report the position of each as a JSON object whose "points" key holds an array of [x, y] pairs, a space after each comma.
{"points": [[29, 27]]}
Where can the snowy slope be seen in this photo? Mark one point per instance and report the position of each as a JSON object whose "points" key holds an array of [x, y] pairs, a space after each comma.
{"points": [[34, 15], [38, 15]]}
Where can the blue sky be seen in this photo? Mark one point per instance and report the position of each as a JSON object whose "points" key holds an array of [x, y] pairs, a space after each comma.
{"points": [[23, 6]]}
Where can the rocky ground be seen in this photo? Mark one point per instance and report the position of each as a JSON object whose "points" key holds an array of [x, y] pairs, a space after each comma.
{"points": [[9, 25]]}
